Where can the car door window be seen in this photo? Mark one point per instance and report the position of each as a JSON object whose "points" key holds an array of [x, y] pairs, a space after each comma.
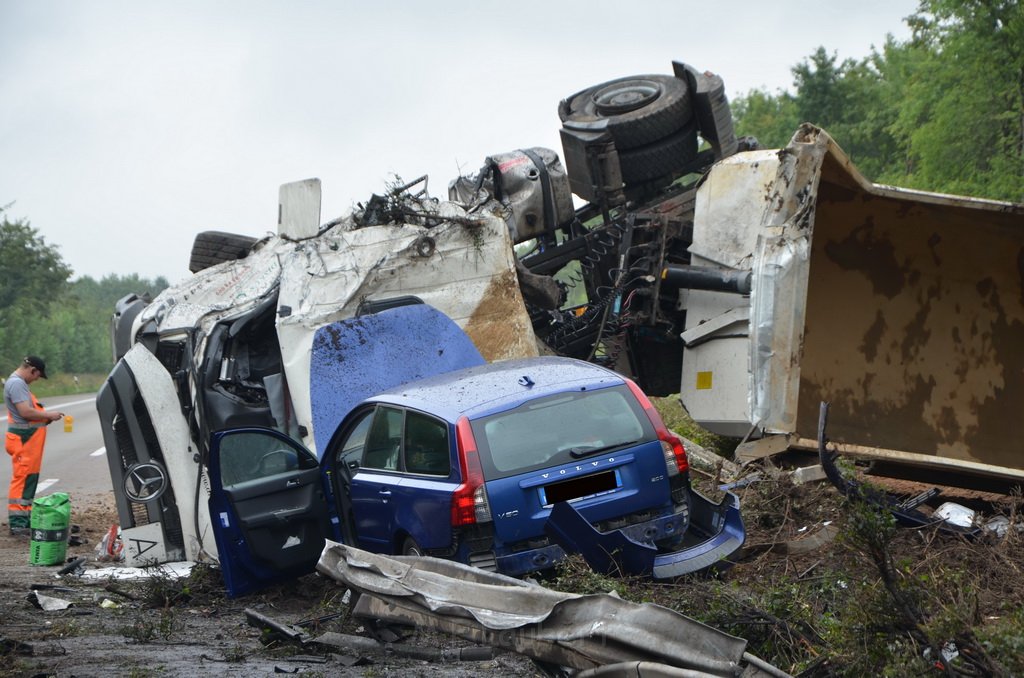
{"points": [[426, 445], [248, 456], [353, 448], [384, 441]]}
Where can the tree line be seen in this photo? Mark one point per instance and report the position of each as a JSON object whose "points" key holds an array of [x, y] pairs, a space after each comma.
{"points": [[43, 312], [941, 111]]}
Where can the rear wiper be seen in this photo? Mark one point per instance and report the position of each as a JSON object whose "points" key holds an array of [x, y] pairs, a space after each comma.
{"points": [[584, 450]]}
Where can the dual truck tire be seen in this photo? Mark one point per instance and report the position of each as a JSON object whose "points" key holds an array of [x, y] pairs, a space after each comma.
{"points": [[650, 119]]}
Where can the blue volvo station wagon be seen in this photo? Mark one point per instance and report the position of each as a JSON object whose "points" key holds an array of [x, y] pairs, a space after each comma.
{"points": [[506, 466]]}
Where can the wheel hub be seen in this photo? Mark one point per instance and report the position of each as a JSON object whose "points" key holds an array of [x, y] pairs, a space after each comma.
{"points": [[623, 97]]}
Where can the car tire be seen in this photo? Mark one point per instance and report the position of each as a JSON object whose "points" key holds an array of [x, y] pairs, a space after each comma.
{"points": [[411, 548], [215, 247], [661, 158], [639, 110]]}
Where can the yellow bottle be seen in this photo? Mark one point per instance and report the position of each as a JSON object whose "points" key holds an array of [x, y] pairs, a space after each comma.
{"points": [[69, 422]]}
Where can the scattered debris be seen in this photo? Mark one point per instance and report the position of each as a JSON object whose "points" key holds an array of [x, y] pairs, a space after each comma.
{"points": [[48, 603], [175, 570], [808, 474], [287, 631], [74, 566], [948, 517], [810, 539], [51, 587], [110, 548]]}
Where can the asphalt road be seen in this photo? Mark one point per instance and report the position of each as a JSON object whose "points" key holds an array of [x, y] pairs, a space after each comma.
{"points": [[73, 462]]}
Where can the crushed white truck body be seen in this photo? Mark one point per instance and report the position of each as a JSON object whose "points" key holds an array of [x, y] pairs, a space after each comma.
{"points": [[231, 346]]}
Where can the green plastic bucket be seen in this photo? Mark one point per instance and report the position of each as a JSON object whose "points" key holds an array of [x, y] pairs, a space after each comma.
{"points": [[51, 517]]}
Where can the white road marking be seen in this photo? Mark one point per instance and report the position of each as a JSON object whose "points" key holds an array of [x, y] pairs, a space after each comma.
{"points": [[98, 452], [77, 402], [45, 484]]}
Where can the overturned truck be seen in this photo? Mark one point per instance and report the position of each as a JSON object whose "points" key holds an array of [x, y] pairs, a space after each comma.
{"points": [[754, 283], [773, 280]]}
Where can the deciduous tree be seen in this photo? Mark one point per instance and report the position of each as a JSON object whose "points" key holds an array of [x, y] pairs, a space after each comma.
{"points": [[34, 279]]}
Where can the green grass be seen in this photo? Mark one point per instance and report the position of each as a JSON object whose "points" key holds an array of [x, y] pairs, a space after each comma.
{"points": [[878, 600], [64, 384], [676, 418]]}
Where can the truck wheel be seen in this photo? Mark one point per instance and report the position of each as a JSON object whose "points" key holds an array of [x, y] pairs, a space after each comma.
{"points": [[640, 110], [661, 158], [216, 247]]}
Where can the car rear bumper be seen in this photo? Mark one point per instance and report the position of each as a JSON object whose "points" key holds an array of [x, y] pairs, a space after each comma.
{"points": [[715, 532], [663, 528]]}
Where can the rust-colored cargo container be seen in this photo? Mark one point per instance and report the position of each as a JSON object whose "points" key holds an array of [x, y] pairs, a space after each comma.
{"points": [[902, 308]]}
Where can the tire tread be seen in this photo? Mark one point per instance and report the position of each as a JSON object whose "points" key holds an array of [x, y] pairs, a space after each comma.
{"points": [[215, 247]]}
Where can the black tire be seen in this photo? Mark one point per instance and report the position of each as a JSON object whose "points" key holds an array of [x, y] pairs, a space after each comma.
{"points": [[661, 158], [640, 110], [411, 548], [216, 247]]}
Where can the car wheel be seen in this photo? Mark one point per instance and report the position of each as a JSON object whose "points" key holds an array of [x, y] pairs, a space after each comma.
{"points": [[216, 247], [661, 158], [411, 548], [639, 110]]}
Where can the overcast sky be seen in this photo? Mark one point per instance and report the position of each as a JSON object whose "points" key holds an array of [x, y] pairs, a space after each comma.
{"points": [[128, 127]]}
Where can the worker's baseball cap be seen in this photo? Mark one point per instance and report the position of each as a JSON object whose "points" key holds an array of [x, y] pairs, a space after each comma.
{"points": [[38, 363]]}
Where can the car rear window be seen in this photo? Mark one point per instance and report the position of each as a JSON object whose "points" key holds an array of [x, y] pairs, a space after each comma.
{"points": [[559, 429]]}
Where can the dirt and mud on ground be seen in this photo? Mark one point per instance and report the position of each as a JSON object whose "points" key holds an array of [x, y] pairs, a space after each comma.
{"points": [[186, 627], [826, 587]]}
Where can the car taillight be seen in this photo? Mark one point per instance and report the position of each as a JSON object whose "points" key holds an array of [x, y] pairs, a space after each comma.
{"points": [[469, 500], [675, 455]]}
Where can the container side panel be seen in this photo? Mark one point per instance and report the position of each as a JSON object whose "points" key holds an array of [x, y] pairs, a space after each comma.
{"points": [[915, 325]]}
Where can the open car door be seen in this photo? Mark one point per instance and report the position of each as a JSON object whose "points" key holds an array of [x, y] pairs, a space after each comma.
{"points": [[271, 504], [270, 507]]}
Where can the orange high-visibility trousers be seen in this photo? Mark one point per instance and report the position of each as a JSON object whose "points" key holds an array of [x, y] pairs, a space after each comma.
{"points": [[25, 445]]}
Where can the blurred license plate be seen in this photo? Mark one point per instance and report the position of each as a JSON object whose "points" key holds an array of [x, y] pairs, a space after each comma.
{"points": [[578, 487]]}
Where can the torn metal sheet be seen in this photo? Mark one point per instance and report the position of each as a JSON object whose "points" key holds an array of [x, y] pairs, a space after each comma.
{"points": [[175, 570], [572, 630], [529, 186], [48, 603]]}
